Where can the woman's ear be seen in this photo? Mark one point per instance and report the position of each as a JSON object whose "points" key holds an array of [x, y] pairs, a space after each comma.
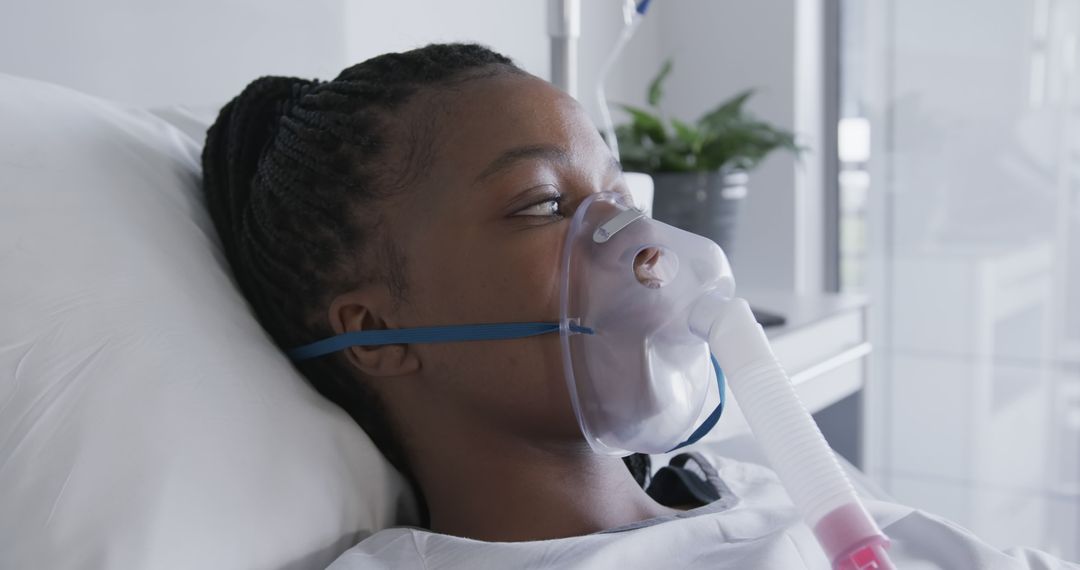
{"points": [[359, 311]]}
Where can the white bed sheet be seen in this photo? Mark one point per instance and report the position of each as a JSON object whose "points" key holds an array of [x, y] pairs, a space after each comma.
{"points": [[762, 530]]}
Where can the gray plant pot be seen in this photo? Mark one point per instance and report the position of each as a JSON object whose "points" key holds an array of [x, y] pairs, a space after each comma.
{"points": [[705, 203]]}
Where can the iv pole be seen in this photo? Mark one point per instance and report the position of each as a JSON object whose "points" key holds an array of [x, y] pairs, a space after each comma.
{"points": [[564, 28]]}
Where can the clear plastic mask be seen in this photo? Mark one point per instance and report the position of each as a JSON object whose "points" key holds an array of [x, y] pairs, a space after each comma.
{"points": [[639, 382]]}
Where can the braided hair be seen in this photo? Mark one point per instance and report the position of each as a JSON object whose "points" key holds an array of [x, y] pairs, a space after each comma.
{"points": [[293, 173]]}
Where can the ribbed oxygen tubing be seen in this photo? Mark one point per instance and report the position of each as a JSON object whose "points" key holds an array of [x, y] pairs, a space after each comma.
{"points": [[790, 439], [792, 442]]}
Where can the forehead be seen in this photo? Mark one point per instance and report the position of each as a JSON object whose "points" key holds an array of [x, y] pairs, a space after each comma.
{"points": [[475, 121]]}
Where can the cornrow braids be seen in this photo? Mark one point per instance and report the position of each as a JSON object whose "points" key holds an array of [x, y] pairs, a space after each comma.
{"points": [[293, 173]]}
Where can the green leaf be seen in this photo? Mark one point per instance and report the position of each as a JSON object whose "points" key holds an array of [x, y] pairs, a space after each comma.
{"points": [[726, 111], [656, 90], [673, 161], [744, 143], [726, 137], [685, 132], [646, 124]]}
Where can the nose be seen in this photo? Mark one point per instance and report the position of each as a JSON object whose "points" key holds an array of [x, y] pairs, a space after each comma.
{"points": [[655, 266]]}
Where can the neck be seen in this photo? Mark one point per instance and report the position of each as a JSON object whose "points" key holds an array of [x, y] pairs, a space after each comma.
{"points": [[494, 487]]}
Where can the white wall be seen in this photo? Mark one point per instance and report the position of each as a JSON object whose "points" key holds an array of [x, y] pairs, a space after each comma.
{"points": [[517, 28], [203, 52], [152, 53]]}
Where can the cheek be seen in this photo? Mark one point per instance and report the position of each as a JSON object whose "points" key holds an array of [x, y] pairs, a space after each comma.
{"points": [[518, 383], [514, 384], [527, 281], [490, 280]]}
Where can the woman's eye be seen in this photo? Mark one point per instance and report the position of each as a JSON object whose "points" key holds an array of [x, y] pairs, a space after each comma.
{"points": [[549, 207]]}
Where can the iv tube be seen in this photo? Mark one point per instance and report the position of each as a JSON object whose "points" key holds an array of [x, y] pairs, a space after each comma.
{"points": [[632, 15]]}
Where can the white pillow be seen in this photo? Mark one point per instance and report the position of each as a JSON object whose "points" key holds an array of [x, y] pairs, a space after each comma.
{"points": [[146, 419]]}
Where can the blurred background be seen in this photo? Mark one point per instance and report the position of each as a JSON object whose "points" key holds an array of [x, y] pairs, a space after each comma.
{"points": [[923, 250]]}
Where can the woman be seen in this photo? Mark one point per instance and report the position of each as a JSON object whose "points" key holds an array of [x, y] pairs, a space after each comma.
{"points": [[432, 187]]}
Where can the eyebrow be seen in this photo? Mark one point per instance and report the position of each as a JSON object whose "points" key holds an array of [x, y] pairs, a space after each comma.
{"points": [[545, 152]]}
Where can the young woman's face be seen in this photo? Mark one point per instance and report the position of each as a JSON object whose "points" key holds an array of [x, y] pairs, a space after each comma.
{"points": [[482, 238]]}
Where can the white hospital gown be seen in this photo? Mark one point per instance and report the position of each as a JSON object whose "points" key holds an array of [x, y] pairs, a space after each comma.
{"points": [[758, 529]]}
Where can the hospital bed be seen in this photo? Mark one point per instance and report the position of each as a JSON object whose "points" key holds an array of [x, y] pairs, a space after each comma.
{"points": [[146, 419]]}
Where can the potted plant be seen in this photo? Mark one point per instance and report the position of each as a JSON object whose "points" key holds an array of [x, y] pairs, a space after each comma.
{"points": [[700, 170]]}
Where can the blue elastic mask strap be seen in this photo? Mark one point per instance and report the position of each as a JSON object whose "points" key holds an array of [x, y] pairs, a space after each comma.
{"points": [[452, 333], [710, 421]]}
